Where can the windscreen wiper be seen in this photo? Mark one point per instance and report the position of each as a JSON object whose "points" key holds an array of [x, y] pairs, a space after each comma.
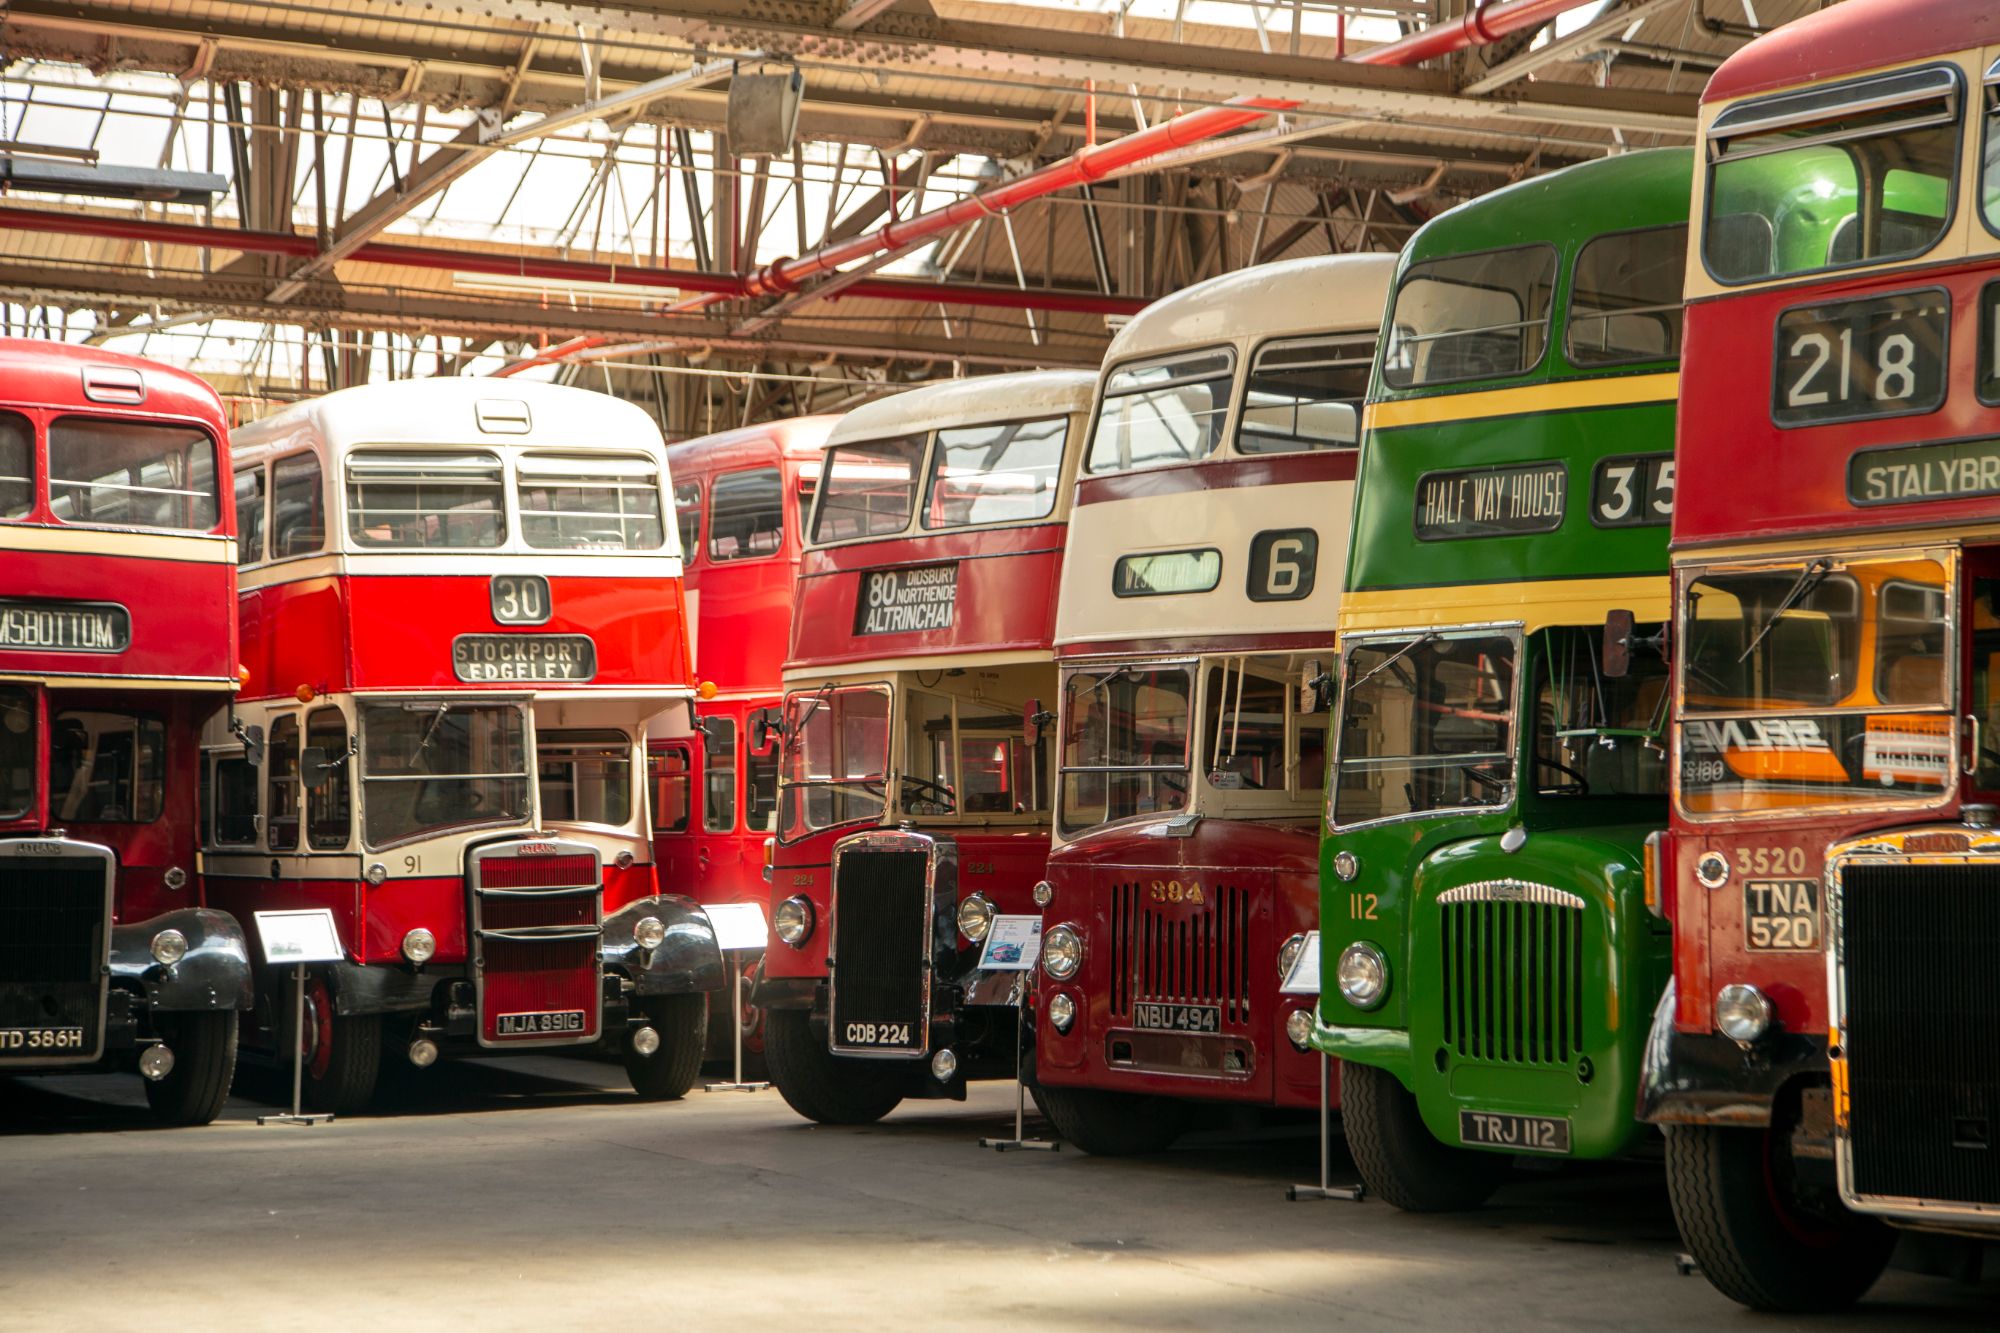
{"points": [[1809, 578], [798, 729], [1394, 658]]}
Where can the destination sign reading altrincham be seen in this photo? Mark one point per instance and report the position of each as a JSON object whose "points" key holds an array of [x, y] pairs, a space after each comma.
{"points": [[906, 601], [1491, 501], [484, 658], [1953, 470], [65, 627]]}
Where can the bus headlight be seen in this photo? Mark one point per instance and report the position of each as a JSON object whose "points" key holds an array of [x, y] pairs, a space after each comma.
{"points": [[419, 945], [1299, 1028], [793, 920], [1362, 974], [1742, 1013], [1288, 954], [169, 947], [649, 932], [1062, 952], [1062, 1011], [975, 917]]}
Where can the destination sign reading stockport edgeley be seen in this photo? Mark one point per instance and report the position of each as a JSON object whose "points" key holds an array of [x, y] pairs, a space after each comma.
{"points": [[55, 627]]}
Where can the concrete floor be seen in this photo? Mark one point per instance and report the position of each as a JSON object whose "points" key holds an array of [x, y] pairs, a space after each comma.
{"points": [[534, 1193]]}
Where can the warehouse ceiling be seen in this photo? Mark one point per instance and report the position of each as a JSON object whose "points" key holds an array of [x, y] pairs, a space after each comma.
{"points": [[291, 196]]}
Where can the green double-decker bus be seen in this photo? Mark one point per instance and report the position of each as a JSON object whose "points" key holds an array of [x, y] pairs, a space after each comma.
{"points": [[1490, 962]]}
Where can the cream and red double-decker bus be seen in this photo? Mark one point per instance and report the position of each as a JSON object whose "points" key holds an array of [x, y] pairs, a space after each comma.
{"points": [[914, 781], [1836, 547], [461, 616], [740, 497], [1195, 634], [117, 644]]}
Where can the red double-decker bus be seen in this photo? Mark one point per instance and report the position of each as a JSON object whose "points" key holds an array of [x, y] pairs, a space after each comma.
{"points": [[462, 614], [741, 498], [1830, 864], [117, 644], [1195, 632], [913, 796]]}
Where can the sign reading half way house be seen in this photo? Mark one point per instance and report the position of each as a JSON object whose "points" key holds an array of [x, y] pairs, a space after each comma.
{"points": [[1491, 501], [906, 601]]}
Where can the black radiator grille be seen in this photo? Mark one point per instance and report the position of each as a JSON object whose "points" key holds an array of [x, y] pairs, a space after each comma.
{"points": [[881, 933], [52, 944], [1512, 984], [1922, 969], [1179, 955]]}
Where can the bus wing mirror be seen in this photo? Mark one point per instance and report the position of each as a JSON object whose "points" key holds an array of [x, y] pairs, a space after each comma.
{"points": [[1314, 687], [1033, 718], [316, 767], [1617, 644], [766, 728], [253, 746]]}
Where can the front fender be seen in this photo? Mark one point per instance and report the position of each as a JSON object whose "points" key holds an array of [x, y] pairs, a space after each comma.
{"points": [[214, 975], [1690, 1078], [687, 960]]}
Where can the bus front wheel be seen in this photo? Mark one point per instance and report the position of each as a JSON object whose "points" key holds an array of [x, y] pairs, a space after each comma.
{"points": [[820, 1085], [204, 1047], [1756, 1240], [1113, 1124], [343, 1054], [1398, 1156]]}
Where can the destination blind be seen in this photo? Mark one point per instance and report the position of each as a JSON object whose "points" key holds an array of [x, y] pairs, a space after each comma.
{"points": [[1491, 502], [65, 627], [906, 601], [1906, 474]]}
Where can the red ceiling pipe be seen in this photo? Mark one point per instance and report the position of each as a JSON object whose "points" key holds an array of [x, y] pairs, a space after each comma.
{"points": [[1480, 27]]}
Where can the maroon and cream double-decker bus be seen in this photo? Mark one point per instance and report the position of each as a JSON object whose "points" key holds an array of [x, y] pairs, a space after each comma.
{"points": [[741, 498], [1195, 632], [462, 616], [117, 644], [913, 796]]}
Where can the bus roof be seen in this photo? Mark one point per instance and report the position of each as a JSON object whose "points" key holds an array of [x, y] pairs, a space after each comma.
{"points": [[968, 402], [43, 373], [795, 437], [458, 411], [1852, 38], [1642, 189], [1319, 294]]}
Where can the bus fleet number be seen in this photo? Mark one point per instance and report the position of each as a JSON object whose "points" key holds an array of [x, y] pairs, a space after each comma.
{"points": [[1883, 356]]}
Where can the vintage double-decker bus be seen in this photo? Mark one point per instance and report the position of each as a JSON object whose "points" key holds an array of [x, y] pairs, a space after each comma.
{"points": [[741, 498], [1195, 634], [117, 644], [1837, 601], [913, 779], [461, 613], [1488, 957]]}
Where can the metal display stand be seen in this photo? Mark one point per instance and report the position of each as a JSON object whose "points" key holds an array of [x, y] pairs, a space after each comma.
{"points": [[1020, 1142], [298, 937], [1326, 1189], [738, 926]]}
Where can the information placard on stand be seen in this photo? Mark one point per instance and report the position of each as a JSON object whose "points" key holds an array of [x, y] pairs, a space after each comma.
{"points": [[298, 936], [1303, 979], [738, 926], [1014, 944]]}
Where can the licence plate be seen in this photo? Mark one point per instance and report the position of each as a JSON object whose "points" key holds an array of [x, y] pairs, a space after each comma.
{"points": [[876, 1034], [536, 1025], [21, 1041], [1781, 915], [1516, 1133], [1178, 1017]]}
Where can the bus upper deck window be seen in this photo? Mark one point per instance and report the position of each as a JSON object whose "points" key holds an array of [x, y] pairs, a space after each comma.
{"points": [[590, 504], [687, 513], [132, 474], [1165, 411], [1305, 393], [298, 507], [17, 466], [998, 473], [1470, 317], [867, 489], [1833, 176], [426, 500], [250, 516], [746, 515], [1625, 298]]}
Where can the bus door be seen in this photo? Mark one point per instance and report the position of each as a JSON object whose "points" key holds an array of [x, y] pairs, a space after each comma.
{"points": [[672, 765], [1979, 617], [717, 853]]}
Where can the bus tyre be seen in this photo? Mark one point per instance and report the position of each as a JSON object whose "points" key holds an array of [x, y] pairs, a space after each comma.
{"points": [[204, 1047], [668, 1073], [343, 1054], [1398, 1156], [1113, 1124], [820, 1085], [1753, 1241]]}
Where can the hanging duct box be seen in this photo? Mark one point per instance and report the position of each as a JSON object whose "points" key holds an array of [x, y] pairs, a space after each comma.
{"points": [[763, 114]]}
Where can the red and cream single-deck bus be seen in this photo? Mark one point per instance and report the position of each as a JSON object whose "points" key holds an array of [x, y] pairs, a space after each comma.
{"points": [[461, 614], [1831, 864], [117, 644], [913, 796], [741, 498], [1195, 631]]}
